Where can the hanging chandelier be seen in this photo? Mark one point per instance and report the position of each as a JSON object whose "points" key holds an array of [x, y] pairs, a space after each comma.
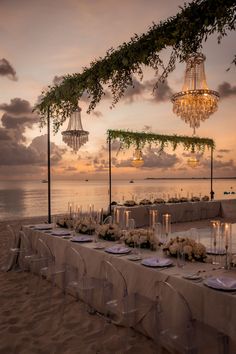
{"points": [[195, 103], [74, 136], [137, 159]]}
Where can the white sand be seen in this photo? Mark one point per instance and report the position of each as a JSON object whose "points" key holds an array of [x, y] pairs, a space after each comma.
{"points": [[30, 323]]}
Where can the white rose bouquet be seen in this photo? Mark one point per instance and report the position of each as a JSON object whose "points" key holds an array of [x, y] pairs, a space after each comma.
{"points": [[192, 250], [110, 232], [141, 237]]}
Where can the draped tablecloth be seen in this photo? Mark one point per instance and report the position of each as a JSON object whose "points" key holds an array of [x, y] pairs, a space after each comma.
{"points": [[180, 212], [215, 308]]}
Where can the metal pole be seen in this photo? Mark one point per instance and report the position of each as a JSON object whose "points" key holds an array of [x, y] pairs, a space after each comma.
{"points": [[49, 168], [212, 192], [109, 158]]}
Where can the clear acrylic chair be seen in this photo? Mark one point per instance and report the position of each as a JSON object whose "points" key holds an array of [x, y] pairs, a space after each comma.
{"points": [[13, 250], [77, 282], [121, 307], [176, 329]]}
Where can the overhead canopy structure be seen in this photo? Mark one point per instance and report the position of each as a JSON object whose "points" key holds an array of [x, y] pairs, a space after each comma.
{"points": [[140, 139], [183, 33]]}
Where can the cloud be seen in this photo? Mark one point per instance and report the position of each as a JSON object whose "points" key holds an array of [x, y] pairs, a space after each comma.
{"points": [[17, 106], [226, 90], [39, 145], [140, 90], [6, 69], [224, 151], [17, 117]]}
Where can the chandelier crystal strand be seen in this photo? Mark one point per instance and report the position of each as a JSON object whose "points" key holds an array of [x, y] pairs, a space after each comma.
{"points": [[195, 103], [74, 136]]}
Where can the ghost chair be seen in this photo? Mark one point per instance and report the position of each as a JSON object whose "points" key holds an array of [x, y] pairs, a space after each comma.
{"points": [[13, 250], [176, 329]]}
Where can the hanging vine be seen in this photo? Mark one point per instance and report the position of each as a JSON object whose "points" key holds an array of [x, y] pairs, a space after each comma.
{"points": [[140, 139], [184, 32]]}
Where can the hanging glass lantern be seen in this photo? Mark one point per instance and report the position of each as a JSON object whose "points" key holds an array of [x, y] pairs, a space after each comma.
{"points": [[192, 160], [74, 136], [195, 103], [138, 158]]}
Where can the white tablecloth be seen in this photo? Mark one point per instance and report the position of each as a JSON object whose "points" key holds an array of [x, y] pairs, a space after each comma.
{"points": [[180, 212], [216, 308]]}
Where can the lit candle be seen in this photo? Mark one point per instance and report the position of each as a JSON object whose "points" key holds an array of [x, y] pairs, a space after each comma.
{"points": [[117, 216], [166, 223], [127, 214]]}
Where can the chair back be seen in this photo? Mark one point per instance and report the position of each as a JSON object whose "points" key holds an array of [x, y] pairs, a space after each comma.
{"points": [[25, 242], [13, 239], [75, 263], [113, 280], [45, 252], [172, 309], [107, 220]]}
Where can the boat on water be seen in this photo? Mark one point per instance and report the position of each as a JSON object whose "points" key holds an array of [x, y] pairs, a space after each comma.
{"points": [[131, 181], [44, 181], [86, 180]]}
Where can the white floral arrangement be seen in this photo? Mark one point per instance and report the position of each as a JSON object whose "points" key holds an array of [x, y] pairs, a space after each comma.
{"points": [[130, 203], [173, 200], [205, 198], [195, 199], [110, 232], [85, 227], [159, 201], [141, 237], [193, 251], [145, 202]]}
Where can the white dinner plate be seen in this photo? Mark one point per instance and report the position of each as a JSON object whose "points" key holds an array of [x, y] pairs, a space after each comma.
{"points": [[60, 232], [99, 246], [221, 283], [118, 250], [192, 276], [82, 239], [157, 262], [43, 227]]}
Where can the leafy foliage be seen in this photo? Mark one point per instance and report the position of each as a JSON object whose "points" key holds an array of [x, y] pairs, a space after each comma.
{"points": [[184, 32], [140, 139]]}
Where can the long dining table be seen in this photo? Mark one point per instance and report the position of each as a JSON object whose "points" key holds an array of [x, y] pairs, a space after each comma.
{"points": [[212, 307]]}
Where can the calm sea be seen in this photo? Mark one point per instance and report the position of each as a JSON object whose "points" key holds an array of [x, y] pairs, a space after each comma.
{"points": [[29, 198]]}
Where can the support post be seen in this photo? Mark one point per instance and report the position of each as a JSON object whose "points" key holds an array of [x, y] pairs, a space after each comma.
{"points": [[212, 192], [49, 167], [109, 159]]}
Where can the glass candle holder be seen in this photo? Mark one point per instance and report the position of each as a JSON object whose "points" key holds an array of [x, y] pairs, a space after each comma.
{"points": [[215, 240], [227, 238], [166, 226], [153, 216], [127, 217]]}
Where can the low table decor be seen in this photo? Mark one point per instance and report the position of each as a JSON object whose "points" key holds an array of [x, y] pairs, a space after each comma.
{"points": [[192, 250]]}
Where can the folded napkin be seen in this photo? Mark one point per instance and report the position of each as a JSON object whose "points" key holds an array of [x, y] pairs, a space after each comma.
{"points": [[60, 232], [117, 249]]}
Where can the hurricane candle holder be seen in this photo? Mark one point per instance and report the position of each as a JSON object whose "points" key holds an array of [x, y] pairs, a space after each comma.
{"points": [[127, 217], [153, 216], [227, 236], [166, 226], [215, 240]]}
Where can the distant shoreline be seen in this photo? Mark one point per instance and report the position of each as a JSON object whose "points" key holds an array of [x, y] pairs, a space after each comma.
{"points": [[187, 178]]}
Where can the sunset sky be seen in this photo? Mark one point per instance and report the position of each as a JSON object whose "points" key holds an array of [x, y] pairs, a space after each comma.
{"points": [[43, 40]]}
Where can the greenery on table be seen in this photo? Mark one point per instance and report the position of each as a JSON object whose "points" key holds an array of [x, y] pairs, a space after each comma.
{"points": [[184, 33], [140, 139]]}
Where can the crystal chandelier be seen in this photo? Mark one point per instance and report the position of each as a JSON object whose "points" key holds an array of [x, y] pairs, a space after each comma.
{"points": [[195, 103], [138, 158], [74, 136]]}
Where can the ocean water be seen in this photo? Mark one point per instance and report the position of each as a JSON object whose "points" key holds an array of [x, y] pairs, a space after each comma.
{"points": [[29, 198]]}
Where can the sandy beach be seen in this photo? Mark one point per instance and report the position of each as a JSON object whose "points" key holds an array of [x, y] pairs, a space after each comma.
{"points": [[31, 324]]}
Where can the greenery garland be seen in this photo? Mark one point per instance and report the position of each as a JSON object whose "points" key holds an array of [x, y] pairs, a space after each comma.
{"points": [[140, 139], [183, 32]]}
